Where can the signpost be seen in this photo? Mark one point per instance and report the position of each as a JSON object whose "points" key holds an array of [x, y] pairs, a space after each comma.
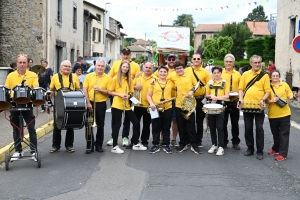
{"points": [[296, 44]]}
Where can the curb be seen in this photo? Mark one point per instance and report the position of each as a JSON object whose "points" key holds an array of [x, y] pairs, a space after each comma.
{"points": [[295, 125], [40, 132]]}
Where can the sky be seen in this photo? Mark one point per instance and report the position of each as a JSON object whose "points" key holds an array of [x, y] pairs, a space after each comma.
{"points": [[140, 18]]}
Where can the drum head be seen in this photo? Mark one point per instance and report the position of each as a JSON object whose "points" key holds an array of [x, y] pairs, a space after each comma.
{"points": [[4, 105], [21, 94], [233, 94], [213, 106], [38, 96]]}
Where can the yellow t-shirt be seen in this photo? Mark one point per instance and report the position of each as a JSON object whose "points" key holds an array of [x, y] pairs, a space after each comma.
{"points": [[171, 74], [233, 79], [14, 78], [145, 84], [134, 68], [101, 81], [114, 86], [221, 92], [157, 93], [55, 84], [183, 85], [256, 92], [203, 75], [284, 92]]}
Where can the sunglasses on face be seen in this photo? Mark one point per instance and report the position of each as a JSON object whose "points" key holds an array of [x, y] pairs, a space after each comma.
{"points": [[171, 59], [196, 58]]}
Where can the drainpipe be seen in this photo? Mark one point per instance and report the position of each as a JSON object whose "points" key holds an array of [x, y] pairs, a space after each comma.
{"points": [[84, 31]]}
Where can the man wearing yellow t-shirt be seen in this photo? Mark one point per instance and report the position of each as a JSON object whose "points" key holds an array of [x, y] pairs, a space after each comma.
{"points": [[256, 94], [67, 81], [232, 78], [95, 90], [31, 80], [201, 74], [134, 70]]}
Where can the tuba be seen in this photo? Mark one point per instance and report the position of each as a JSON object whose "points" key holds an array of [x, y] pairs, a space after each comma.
{"points": [[188, 104]]}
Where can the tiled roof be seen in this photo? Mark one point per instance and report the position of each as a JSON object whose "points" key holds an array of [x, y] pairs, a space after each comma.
{"points": [[258, 28], [135, 48], [208, 28], [142, 42]]}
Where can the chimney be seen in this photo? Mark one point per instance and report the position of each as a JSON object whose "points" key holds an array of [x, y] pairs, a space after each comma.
{"points": [[253, 23]]}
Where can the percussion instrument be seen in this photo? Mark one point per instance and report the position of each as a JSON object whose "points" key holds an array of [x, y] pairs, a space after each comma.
{"points": [[38, 69], [213, 109], [21, 94], [4, 97], [70, 108], [20, 107], [251, 107], [233, 94], [38, 96]]}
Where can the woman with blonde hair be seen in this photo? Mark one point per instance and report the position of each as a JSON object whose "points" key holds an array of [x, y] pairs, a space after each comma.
{"points": [[121, 88]]}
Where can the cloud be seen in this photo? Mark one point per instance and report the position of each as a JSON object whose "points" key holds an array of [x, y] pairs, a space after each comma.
{"points": [[142, 16]]}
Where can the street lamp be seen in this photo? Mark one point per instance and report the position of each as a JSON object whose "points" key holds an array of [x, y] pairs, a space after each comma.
{"points": [[104, 30]]}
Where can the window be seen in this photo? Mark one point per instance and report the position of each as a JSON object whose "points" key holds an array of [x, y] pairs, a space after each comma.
{"points": [[86, 32], [74, 16], [96, 35], [203, 37], [72, 55], [99, 35], [99, 17], [59, 10], [292, 28]]}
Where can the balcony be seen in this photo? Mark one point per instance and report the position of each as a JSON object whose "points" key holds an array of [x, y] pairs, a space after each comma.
{"points": [[272, 23]]}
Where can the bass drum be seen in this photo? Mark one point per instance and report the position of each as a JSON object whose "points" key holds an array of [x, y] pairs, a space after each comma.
{"points": [[70, 108]]}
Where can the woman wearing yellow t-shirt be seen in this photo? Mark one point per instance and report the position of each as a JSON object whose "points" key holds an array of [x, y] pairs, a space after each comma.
{"points": [[279, 117], [120, 87]]}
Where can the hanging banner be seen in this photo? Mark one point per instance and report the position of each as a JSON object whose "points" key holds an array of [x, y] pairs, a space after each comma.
{"points": [[174, 38]]}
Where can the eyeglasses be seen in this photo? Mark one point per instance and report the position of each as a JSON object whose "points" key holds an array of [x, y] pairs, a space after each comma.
{"points": [[196, 58], [228, 61], [68, 66], [256, 63], [171, 59]]}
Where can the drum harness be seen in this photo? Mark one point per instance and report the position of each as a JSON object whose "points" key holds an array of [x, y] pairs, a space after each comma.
{"points": [[216, 88], [62, 84], [200, 85]]}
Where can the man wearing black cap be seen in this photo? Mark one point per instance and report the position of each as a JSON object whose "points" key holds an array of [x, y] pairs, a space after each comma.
{"points": [[135, 69]]}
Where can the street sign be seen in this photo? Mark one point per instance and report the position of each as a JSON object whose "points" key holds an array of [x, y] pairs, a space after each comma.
{"points": [[296, 44]]}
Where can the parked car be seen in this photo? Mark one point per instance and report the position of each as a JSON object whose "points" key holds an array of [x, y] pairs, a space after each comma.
{"points": [[89, 63]]}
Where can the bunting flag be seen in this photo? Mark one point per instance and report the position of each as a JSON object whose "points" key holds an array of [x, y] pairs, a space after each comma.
{"points": [[221, 7]]}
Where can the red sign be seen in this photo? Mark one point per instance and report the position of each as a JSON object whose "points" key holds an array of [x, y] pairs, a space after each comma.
{"points": [[296, 44]]}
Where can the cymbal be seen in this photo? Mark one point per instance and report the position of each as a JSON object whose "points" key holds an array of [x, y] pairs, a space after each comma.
{"points": [[38, 69]]}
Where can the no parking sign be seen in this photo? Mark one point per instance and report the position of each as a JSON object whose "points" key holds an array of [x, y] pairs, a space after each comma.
{"points": [[296, 44]]}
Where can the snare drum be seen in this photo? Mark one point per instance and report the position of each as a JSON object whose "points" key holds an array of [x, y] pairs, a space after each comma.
{"points": [[70, 108], [233, 94], [21, 94], [4, 97], [213, 109], [21, 107], [38, 96]]}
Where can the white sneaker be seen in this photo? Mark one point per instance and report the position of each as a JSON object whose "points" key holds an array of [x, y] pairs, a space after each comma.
{"points": [[125, 141], [220, 151], [213, 149], [16, 156], [33, 157], [117, 150], [139, 146], [110, 142]]}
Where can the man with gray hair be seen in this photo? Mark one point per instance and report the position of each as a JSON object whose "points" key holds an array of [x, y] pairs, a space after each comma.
{"points": [[232, 77], [254, 89], [65, 80]]}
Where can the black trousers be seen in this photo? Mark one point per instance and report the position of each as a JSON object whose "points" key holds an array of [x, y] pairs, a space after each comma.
{"points": [[117, 116], [186, 128], [280, 128], [126, 123], [249, 137], [28, 117], [139, 113], [200, 116], [100, 119], [69, 140], [234, 113], [216, 123], [163, 125]]}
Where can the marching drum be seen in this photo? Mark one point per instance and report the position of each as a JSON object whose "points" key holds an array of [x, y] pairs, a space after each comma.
{"points": [[70, 108], [38, 96], [22, 94], [21, 107], [4, 98], [251, 107], [233, 94], [213, 109]]}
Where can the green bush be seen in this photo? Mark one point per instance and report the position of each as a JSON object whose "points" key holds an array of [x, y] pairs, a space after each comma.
{"points": [[255, 47]]}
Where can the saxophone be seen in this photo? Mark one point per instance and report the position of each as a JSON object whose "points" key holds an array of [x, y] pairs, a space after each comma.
{"points": [[188, 104]]}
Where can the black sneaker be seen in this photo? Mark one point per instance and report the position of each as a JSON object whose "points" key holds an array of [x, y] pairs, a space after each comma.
{"points": [[167, 149], [236, 147], [260, 156], [154, 149], [70, 149], [54, 150], [200, 145], [99, 149], [196, 150], [181, 148], [248, 152]]}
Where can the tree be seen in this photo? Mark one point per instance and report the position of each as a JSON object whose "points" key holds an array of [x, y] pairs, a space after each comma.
{"points": [[187, 21], [257, 14], [128, 41], [217, 47], [239, 33]]}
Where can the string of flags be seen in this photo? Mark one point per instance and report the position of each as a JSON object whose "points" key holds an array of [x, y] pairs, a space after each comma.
{"points": [[206, 8]]}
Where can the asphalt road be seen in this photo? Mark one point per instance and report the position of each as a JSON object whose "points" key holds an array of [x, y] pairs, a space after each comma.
{"points": [[140, 175]]}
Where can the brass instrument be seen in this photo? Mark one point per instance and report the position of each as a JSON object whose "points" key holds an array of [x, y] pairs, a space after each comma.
{"points": [[188, 104], [161, 103], [124, 109], [138, 93], [94, 108]]}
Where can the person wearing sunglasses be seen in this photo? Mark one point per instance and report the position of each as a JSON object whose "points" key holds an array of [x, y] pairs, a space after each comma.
{"points": [[202, 75]]}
